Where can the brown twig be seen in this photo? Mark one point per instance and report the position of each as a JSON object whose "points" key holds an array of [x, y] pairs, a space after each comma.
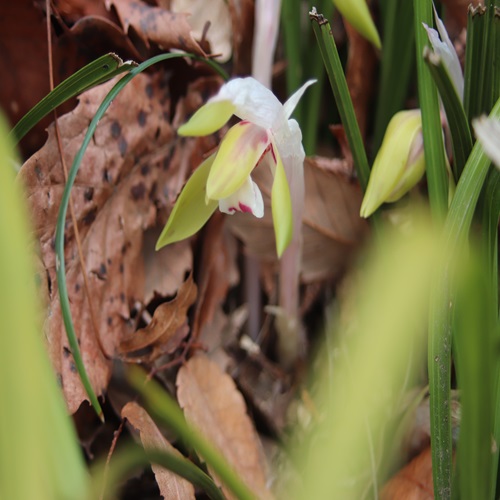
{"points": [[65, 170]]}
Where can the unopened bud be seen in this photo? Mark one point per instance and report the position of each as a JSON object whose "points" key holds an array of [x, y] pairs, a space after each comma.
{"points": [[400, 162]]}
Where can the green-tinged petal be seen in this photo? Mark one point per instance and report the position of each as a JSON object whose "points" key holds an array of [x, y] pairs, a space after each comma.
{"points": [[356, 12], [399, 164], [190, 211], [238, 154], [488, 134], [281, 204], [208, 119]]}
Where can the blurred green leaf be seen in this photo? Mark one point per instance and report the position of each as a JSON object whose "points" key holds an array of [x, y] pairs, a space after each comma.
{"points": [[39, 453]]}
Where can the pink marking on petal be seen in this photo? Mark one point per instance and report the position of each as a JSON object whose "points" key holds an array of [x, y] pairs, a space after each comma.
{"points": [[245, 208], [264, 154]]}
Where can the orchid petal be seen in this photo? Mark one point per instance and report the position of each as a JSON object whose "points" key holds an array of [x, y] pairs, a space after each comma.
{"points": [[247, 199], [281, 204], [252, 101], [190, 211], [488, 134], [358, 15], [292, 102], [444, 48], [239, 152], [208, 119]]}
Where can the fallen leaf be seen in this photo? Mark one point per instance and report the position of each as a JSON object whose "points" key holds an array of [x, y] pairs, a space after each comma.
{"points": [[209, 19], [332, 227], [212, 403], [171, 485], [164, 333], [154, 24], [413, 482], [131, 171], [217, 272]]}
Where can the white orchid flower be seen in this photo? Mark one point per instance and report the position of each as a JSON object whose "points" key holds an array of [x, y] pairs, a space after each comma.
{"points": [[488, 134], [266, 134], [444, 48]]}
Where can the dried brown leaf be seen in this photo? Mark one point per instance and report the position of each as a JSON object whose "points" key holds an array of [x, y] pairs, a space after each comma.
{"points": [[242, 19], [217, 272], [413, 482], [167, 29], [213, 404], [171, 485], [165, 331], [332, 226], [131, 169]]}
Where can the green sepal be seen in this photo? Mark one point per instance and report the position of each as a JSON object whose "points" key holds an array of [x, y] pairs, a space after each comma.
{"points": [[356, 12], [191, 210], [281, 205]]}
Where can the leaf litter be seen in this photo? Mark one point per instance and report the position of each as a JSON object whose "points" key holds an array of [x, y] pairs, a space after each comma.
{"points": [[151, 305]]}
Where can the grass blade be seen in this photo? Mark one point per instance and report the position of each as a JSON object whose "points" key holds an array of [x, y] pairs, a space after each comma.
{"points": [[99, 71], [455, 113], [437, 180], [442, 308], [63, 210], [166, 410]]}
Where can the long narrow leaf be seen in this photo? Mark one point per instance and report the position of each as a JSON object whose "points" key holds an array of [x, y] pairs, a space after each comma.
{"points": [[99, 71], [59, 242], [335, 72], [431, 123], [442, 307], [166, 410], [457, 120]]}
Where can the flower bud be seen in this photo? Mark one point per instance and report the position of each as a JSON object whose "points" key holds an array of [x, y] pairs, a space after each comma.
{"points": [[400, 162], [356, 12]]}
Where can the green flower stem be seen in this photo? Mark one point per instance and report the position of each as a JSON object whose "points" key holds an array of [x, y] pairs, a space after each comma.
{"points": [[99, 71], [59, 243], [396, 64], [457, 120], [441, 311], [165, 409], [431, 123]]}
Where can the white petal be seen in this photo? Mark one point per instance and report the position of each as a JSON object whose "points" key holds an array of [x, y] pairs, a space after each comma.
{"points": [[488, 134], [294, 99], [445, 49], [247, 199], [253, 101]]}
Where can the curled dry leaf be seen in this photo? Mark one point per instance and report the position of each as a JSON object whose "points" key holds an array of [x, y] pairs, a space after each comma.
{"points": [[413, 482], [213, 404], [166, 330], [209, 19], [332, 226], [154, 24], [131, 168], [171, 485]]}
